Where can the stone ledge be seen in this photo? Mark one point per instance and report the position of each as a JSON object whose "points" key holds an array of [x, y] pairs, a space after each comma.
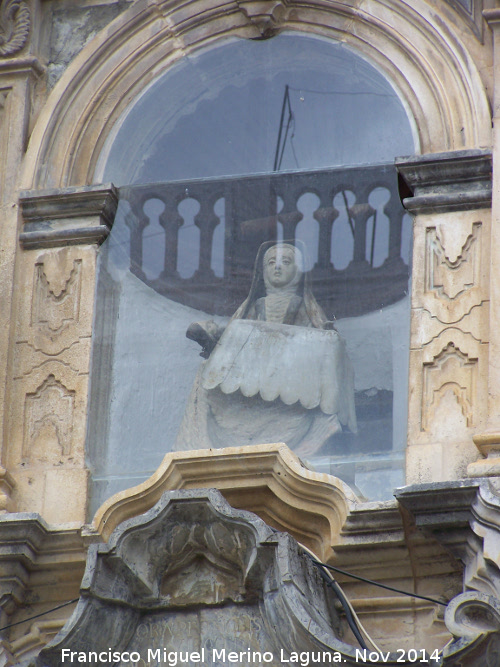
{"points": [[442, 182], [78, 215], [23, 65]]}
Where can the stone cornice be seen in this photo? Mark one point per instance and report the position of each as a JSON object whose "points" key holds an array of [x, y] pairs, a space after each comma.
{"points": [[28, 544], [492, 17], [77, 215], [442, 509], [24, 65], [441, 182], [266, 479]]}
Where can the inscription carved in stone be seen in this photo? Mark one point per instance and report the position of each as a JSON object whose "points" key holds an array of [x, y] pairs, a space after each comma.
{"points": [[48, 418], [451, 374], [452, 261]]}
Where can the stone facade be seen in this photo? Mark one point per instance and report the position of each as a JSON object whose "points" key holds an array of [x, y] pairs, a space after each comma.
{"points": [[67, 73]]}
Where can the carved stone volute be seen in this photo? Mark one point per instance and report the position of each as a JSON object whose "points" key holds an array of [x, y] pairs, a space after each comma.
{"points": [[15, 23]]}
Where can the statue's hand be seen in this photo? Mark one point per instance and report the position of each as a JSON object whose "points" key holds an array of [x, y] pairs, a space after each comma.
{"points": [[205, 334], [330, 325]]}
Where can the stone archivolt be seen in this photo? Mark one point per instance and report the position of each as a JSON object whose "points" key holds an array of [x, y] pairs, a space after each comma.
{"points": [[451, 112]]}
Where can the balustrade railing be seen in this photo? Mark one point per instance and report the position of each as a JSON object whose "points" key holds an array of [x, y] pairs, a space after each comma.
{"points": [[266, 207]]}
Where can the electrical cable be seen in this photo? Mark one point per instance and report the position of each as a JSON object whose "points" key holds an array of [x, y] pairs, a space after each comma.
{"points": [[344, 602], [43, 613], [340, 92], [363, 629], [352, 617], [376, 583]]}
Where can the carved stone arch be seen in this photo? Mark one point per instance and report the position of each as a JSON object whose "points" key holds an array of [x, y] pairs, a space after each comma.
{"points": [[436, 77]]}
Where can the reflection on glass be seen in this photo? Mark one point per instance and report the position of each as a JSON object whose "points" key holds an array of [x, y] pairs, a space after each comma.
{"points": [[218, 112]]}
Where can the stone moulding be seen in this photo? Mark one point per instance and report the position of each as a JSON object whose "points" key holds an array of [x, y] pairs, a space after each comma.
{"points": [[266, 479], [441, 182], [30, 547], [193, 558], [181, 575], [68, 216], [6, 487]]}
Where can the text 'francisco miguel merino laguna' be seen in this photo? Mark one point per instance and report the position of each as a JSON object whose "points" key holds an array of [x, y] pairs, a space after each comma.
{"points": [[214, 656]]}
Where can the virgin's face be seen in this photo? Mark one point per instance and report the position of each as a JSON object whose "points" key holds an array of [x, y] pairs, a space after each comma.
{"points": [[280, 267]]}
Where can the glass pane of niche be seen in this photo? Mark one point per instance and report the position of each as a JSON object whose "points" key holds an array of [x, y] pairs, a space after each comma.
{"points": [[259, 226]]}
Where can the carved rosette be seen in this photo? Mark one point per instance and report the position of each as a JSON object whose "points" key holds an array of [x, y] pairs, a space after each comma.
{"points": [[15, 23]]}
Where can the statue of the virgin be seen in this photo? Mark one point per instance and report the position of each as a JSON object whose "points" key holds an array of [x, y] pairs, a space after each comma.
{"points": [[278, 372]]}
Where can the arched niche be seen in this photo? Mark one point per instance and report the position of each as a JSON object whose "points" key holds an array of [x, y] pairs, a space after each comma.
{"points": [[435, 76], [180, 185]]}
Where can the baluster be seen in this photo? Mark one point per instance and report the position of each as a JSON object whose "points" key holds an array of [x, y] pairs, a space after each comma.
{"points": [[137, 223], [171, 221], [206, 220], [289, 216], [251, 218], [360, 214], [395, 212], [326, 215]]}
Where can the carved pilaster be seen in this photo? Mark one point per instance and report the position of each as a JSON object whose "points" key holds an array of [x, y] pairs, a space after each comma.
{"points": [[487, 439], [451, 195], [19, 73], [52, 347]]}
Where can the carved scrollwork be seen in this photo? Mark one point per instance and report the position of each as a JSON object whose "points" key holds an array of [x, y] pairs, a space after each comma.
{"points": [[14, 26], [472, 614]]}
